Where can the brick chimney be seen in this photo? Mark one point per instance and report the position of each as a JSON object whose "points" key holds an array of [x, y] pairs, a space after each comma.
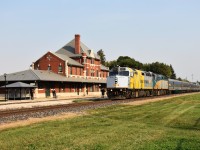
{"points": [[77, 44]]}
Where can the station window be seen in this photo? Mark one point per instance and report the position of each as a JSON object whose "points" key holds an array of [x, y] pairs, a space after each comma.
{"points": [[80, 71], [87, 72], [38, 67], [76, 71], [71, 70], [97, 73], [91, 88], [92, 73], [40, 85], [62, 87], [49, 67], [92, 61], [60, 68]]}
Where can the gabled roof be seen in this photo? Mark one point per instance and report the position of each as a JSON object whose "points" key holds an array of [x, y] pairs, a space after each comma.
{"points": [[33, 75], [69, 49], [44, 75], [69, 60], [64, 58], [26, 75], [19, 85]]}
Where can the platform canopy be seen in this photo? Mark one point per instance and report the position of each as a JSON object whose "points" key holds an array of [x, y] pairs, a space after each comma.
{"points": [[43, 75], [19, 90], [18, 85]]}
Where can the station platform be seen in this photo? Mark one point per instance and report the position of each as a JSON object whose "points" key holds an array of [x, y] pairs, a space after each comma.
{"points": [[17, 104]]}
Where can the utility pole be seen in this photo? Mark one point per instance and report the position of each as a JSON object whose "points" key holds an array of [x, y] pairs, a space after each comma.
{"points": [[5, 87]]}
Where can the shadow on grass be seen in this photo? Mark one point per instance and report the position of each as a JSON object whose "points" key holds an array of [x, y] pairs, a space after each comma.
{"points": [[189, 128], [197, 122], [179, 144], [195, 127], [89, 100]]}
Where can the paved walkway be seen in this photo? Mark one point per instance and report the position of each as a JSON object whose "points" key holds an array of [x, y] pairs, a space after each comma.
{"points": [[17, 104]]}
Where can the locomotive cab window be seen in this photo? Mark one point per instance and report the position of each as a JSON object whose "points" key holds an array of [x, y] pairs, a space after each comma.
{"points": [[120, 73], [113, 73], [124, 73]]}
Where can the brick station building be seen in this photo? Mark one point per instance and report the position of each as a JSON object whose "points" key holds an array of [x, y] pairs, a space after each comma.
{"points": [[73, 70]]}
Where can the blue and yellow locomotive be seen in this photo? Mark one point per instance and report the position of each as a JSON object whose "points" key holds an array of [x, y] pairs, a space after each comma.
{"points": [[125, 82]]}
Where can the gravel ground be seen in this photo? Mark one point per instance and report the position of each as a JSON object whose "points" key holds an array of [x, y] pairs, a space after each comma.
{"points": [[53, 112]]}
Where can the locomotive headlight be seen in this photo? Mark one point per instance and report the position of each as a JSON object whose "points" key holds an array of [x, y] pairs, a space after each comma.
{"points": [[111, 90], [120, 89]]}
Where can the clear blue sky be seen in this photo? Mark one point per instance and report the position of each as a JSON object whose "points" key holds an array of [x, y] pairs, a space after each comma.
{"points": [[167, 31]]}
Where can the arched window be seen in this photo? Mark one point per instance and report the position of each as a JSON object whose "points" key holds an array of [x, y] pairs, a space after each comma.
{"points": [[60, 68], [49, 67]]}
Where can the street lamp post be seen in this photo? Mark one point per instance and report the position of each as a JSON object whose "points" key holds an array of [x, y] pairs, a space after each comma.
{"points": [[5, 86]]}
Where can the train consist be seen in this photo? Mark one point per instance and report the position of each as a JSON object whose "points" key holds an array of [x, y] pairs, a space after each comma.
{"points": [[125, 82]]}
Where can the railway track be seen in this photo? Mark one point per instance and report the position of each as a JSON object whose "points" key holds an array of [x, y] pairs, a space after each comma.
{"points": [[43, 111]]}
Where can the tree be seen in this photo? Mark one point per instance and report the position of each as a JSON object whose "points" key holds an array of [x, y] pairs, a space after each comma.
{"points": [[173, 76], [111, 64], [179, 78], [126, 61], [155, 67], [159, 68], [102, 56]]}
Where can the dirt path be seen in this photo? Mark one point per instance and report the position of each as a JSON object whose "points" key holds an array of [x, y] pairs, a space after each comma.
{"points": [[30, 121], [71, 115]]}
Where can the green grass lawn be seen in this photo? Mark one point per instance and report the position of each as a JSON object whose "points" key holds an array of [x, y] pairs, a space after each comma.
{"points": [[169, 124]]}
